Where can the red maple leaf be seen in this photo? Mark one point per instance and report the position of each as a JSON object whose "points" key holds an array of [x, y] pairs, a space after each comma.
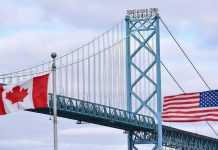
{"points": [[17, 95]]}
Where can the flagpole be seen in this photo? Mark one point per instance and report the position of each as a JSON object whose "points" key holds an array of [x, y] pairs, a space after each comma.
{"points": [[54, 55]]}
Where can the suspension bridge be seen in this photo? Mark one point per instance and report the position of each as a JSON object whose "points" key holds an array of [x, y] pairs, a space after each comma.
{"points": [[115, 81]]}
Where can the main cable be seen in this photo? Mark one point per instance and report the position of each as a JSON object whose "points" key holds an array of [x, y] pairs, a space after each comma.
{"points": [[180, 47], [174, 79]]}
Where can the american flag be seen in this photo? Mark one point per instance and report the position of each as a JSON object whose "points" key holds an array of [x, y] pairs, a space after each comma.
{"points": [[191, 107]]}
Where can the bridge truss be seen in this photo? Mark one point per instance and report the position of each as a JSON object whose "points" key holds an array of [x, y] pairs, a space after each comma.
{"points": [[143, 127]]}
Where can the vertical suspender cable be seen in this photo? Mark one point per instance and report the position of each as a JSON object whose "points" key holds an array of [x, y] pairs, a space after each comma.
{"points": [[60, 77], [99, 74], [141, 81], [115, 71], [37, 70], [77, 71], [30, 70], [50, 83], [104, 67], [118, 68], [10, 79], [17, 78], [83, 73], [23, 76], [49, 66], [153, 76], [72, 77], [123, 83], [140, 66], [112, 69], [94, 75], [108, 70], [43, 68], [66, 76], [134, 75], [148, 84], [144, 94], [4, 79], [89, 93]]}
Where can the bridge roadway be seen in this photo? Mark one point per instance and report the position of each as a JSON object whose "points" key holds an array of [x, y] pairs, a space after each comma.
{"points": [[143, 127]]}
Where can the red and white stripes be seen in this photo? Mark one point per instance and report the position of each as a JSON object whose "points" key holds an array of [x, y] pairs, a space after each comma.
{"points": [[186, 108]]}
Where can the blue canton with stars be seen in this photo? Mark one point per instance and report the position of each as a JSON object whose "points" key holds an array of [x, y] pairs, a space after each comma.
{"points": [[209, 98]]}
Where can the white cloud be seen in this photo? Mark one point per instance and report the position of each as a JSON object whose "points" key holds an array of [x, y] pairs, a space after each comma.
{"points": [[67, 146], [89, 131], [19, 143], [29, 31], [27, 45], [15, 14]]}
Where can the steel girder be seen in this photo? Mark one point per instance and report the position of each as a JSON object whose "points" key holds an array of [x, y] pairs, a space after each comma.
{"points": [[100, 114]]}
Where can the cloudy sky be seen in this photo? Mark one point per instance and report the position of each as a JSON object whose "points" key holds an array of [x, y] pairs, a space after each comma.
{"points": [[30, 30]]}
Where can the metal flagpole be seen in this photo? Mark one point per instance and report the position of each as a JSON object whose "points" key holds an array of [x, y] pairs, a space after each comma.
{"points": [[54, 55]]}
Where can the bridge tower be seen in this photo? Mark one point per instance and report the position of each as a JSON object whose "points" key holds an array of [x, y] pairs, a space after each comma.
{"points": [[141, 27]]}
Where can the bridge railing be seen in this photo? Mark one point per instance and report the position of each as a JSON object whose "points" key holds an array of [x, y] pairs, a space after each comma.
{"points": [[180, 139], [101, 111]]}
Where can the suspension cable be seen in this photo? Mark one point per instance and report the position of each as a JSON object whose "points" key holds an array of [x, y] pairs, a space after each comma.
{"points": [[172, 77], [180, 47], [70, 52]]}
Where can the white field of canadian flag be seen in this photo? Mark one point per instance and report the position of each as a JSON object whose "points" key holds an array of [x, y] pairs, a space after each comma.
{"points": [[29, 94]]}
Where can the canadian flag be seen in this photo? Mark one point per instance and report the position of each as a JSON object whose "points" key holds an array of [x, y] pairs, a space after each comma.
{"points": [[29, 94]]}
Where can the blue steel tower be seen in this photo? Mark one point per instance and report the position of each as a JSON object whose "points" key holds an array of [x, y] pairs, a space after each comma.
{"points": [[141, 27]]}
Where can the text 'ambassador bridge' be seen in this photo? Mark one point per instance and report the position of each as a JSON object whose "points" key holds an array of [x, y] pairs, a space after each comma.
{"points": [[115, 81]]}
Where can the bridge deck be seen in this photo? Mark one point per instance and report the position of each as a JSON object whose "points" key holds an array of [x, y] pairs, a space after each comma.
{"points": [[116, 118], [99, 114]]}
